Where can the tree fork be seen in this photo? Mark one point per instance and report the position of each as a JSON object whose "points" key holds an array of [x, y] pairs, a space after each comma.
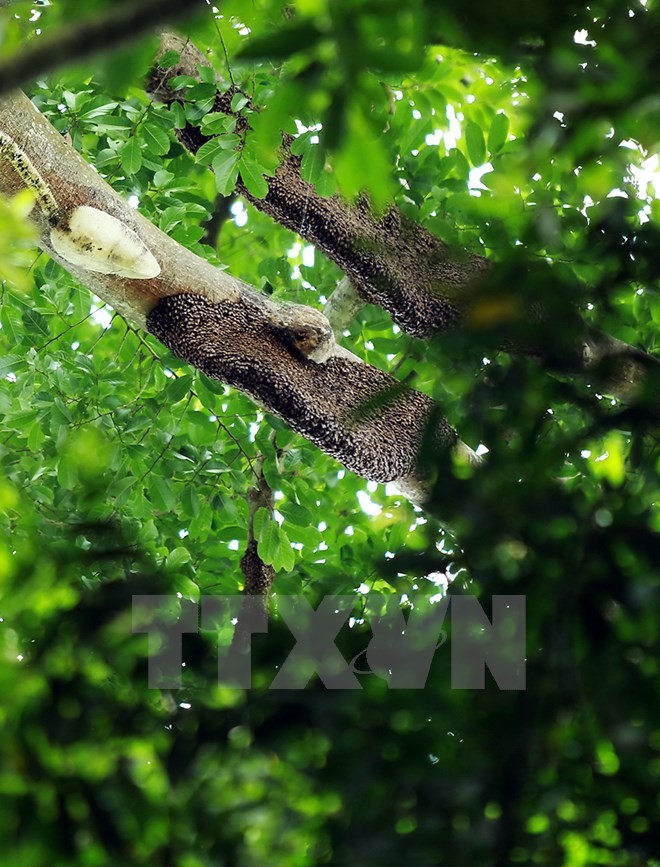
{"points": [[358, 414]]}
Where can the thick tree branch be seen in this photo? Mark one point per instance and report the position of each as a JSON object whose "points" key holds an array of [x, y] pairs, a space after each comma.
{"points": [[394, 262], [351, 410], [101, 33]]}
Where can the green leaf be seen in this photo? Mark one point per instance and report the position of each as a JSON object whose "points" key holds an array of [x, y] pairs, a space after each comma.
{"points": [[168, 58], [111, 125], [476, 146], [225, 168], [170, 218], [35, 323], [253, 177], [67, 474], [162, 178], [326, 184], [161, 493], [216, 122], [313, 162], [35, 437], [210, 149], [287, 556], [10, 364], [121, 491], [179, 388], [212, 385], [268, 543], [181, 81], [296, 514], [460, 165], [301, 143], [99, 110], [179, 115], [157, 140], [178, 557], [261, 519], [131, 156], [273, 545], [498, 133], [200, 100], [206, 73], [238, 102], [187, 588], [208, 152]]}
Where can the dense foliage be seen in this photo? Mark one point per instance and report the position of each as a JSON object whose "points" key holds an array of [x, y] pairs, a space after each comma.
{"points": [[122, 471]]}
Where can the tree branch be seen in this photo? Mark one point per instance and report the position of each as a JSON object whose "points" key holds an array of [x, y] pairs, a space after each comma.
{"points": [[219, 216], [425, 285], [354, 412]]}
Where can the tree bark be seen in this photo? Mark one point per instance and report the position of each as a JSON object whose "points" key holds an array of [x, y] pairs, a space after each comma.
{"points": [[355, 412], [427, 286]]}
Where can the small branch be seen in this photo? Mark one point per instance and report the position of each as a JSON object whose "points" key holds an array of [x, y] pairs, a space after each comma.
{"points": [[258, 575], [221, 213]]}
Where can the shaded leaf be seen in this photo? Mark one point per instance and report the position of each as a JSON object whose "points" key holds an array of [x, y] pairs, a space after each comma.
{"points": [[476, 146], [498, 133]]}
